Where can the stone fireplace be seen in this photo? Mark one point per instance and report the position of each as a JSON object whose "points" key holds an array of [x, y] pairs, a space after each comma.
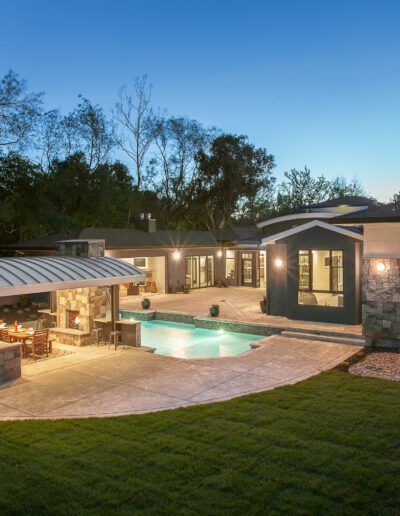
{"points": [[76, 310]]}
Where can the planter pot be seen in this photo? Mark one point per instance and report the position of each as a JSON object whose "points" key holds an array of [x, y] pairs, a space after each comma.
{"points": [[145, 304], [263, 306], [214, 312]]}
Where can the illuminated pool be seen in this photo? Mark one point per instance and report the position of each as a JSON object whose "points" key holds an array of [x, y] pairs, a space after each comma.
{"points": [[187, 341]]}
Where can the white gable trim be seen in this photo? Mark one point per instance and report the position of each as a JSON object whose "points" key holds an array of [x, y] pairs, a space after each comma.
{"points": [[297, 216], [308, 225]]}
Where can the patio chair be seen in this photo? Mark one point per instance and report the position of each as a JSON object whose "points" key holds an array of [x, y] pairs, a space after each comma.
{"points": [[39, 344]]}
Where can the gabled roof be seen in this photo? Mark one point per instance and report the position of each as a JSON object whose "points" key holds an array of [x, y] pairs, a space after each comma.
{"points": [[296, 216], [309, 225], [29, 275]]}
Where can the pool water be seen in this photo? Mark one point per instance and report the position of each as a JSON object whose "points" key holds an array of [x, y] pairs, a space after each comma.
{"points": [[186, 341]]}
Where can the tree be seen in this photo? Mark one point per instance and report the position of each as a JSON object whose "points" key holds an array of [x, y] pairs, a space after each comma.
{"points": [[172, 171], [49, 140], [20, 196], [19, 112], [340, 188], [134, 127], [87, 130], [230, 176], [85, 197], [299, 189]]}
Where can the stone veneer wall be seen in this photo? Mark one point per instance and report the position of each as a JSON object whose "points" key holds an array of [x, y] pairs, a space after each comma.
{"points": [[381, 301], [90, 302], [10, 361]]}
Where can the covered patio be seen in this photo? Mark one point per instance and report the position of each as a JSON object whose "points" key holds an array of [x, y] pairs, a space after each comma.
{"points": [[84, 298]]}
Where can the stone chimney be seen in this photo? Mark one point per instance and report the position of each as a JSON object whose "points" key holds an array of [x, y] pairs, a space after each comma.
{"points": [[146, 223], [81, 248]]}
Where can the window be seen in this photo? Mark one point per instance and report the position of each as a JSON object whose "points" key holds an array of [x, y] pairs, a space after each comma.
{"points": [[230, 265], [140, 262], [320, 277]]}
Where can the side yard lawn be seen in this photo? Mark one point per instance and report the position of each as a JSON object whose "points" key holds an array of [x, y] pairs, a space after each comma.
{"points": [[328, 445]]}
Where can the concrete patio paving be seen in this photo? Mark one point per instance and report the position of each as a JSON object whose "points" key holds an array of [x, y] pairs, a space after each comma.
{"points": [[97, 382], [236, 304]]}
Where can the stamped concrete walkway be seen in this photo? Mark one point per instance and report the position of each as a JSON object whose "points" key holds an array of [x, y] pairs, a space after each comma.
{"points": [[97, 382]]}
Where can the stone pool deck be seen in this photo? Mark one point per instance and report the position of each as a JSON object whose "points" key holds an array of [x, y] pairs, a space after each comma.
{"points": [[97, 382], [236, 304]]}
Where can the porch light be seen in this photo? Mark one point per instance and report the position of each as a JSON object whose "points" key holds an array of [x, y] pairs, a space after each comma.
{"points": [[278, 262], [380, 267], [219, 254], [177, 255]]}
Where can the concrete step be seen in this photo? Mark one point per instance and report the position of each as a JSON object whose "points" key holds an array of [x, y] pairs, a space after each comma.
{"points": [[352, 341]]}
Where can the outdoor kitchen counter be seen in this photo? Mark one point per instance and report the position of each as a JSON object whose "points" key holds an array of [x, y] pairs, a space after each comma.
{"points": [[131, 330], [10, 361]]}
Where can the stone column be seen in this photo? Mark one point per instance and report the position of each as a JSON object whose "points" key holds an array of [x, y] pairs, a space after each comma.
{"points": [[381, 301]]}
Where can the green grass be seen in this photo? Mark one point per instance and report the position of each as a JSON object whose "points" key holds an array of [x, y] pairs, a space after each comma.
{"points": [[329, 445]]}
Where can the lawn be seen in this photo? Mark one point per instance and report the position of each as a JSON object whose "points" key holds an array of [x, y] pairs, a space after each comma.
{"points": [[328, 445]]}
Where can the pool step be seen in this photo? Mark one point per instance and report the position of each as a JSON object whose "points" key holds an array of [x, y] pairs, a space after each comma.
{"points": [[352, 341]]}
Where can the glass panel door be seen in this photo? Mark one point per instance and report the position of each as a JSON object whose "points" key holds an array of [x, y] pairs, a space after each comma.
{"points": [[203, 271], [195, 272], [210, 271], [189, 275], [247, 268]]}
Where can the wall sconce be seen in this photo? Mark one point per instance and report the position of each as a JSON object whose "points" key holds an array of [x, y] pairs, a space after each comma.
{"points": [[177, 255], [380, 267], [219, 254], [278, 262]]}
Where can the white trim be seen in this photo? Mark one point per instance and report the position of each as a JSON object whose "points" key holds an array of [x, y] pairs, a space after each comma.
{"points": [[312, 224], [296, 216]]}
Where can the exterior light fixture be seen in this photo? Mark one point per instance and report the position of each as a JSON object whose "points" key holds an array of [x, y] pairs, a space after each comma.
{"points": [[278, 262], [177, 255], [219, 254], [380, 267]]}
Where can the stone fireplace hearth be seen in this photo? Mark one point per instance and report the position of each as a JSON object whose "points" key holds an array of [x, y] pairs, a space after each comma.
{"points": [[76, 309], [73, 319]]}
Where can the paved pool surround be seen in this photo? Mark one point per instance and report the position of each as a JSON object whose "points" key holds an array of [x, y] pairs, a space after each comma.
{"points": [[216, 323], [201, 322]]}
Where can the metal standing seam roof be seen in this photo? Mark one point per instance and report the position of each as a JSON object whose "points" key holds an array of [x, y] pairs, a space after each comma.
{"points": [[28, 275]]}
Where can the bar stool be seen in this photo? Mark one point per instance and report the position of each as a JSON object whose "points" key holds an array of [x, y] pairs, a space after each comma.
{"points": [[115, 339], [97, 336]]}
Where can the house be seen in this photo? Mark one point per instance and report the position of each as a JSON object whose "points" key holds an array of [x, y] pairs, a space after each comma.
{"points": [[337, 261], [173, 259]]}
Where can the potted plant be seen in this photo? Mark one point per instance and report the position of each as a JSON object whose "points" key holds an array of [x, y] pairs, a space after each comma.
{"points": [[214, 310], [263, 304], [145, 303]]}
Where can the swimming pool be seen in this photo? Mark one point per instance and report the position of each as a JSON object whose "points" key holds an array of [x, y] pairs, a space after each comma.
{"points": [[187, 341]]}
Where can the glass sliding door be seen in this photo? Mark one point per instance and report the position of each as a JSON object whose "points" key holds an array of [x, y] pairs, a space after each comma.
{"points": [[199, 271]]}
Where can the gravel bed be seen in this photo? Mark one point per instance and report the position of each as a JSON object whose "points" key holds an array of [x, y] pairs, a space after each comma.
{"points": [[379, 364]]}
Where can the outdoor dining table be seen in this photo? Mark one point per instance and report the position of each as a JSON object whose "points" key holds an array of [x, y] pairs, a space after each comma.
{"points": [[20, 336]]}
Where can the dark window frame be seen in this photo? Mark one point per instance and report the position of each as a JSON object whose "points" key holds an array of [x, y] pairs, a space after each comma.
{"points": [[310, 271]]}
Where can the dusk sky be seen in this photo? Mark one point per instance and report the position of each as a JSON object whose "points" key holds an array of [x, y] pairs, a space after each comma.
{"points": [[315, 82]]}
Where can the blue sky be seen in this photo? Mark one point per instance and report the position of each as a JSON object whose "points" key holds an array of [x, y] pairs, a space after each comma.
{"points": [[315, 82]]}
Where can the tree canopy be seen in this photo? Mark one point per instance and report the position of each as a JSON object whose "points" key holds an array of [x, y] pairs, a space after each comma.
{"points": [[60, 171]]}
